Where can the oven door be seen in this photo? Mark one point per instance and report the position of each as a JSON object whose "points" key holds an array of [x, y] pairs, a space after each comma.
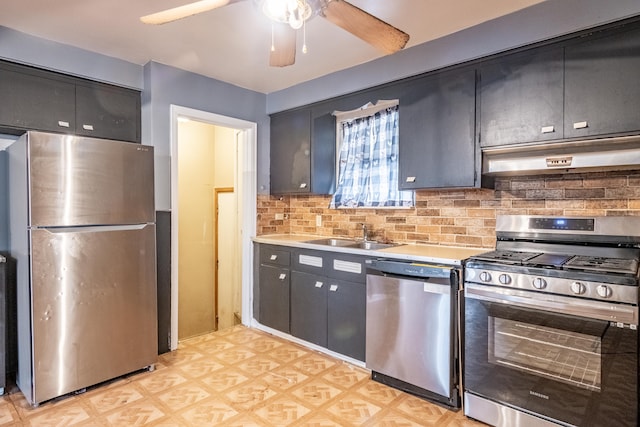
{"points": [[545, 356]]}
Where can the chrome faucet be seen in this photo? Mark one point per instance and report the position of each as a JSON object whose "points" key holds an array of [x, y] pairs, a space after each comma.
{"points": [[365, 236]]}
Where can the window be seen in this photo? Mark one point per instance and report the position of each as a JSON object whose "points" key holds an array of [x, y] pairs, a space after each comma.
{"points": [[368, 159]]}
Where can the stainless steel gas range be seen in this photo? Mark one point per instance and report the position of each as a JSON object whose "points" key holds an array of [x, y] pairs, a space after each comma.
{"points": [[551, 323]]}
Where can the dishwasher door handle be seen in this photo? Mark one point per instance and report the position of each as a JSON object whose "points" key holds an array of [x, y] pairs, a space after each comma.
{"points": [[428, 285]]}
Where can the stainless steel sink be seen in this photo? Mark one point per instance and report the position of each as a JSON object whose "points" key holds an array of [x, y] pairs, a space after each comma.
{"points": [[373, 245], [348, 243], [333, 242]]}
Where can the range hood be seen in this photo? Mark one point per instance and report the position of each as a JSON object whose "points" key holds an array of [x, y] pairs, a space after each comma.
{"points": [[618, 153]]}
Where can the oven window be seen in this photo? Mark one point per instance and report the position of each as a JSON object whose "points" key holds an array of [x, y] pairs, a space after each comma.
{"points": [[560, 355]]}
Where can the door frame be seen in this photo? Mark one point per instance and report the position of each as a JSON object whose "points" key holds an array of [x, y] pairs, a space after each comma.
{"points": [[216, 300], [245, 183]]}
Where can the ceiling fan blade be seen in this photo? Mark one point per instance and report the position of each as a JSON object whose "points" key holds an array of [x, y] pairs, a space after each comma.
{"points": [[374, 31], [184, 11], [283, 50]]}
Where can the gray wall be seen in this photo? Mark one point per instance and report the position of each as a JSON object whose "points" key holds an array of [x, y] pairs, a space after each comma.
{"points": [[30, 50], [164, 86], [540, 22]]}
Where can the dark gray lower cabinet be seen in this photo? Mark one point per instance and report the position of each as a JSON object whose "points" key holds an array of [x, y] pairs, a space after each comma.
{"points": [[346, 318], [309, 307], [274, 297], [316, 296]]}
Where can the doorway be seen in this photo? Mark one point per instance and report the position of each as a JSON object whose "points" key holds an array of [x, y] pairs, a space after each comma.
{"points": [[243, 208]]}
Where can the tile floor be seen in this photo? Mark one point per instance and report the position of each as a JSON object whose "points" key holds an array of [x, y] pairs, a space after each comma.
{"points": [[237, 377]]}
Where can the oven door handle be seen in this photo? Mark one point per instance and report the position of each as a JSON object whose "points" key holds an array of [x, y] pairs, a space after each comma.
{"points": [[610, 312]]}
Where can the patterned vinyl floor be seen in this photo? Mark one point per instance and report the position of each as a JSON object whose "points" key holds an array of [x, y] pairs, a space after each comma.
{"points": [[237, 377]]}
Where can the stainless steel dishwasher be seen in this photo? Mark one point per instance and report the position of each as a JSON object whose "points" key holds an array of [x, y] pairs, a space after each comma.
{"points": [[411, 339]]}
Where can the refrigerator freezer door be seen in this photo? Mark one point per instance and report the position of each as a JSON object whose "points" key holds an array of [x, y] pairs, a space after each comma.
{"points": [[88, 181], [94, 307]]}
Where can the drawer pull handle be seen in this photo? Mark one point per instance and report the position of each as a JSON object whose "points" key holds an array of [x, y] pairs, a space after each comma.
{"points": [[273, 257], [303, 185], [333, 288], [282, 276], [318, 284], [411, 179], [87, 127], [548, 129], [580, 125], [63, 124]]}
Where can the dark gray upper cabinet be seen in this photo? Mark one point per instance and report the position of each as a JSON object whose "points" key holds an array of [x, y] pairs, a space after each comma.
{"points": [[291, 152], [437, 125], [602, 84], [521, 98], [107, 112], [33, 100], [302, 152]]}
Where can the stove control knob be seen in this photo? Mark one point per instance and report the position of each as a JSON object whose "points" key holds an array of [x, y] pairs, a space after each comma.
{"points": [[485, 277], [504, 279], [539, 283], [604, 291], [578, 288]]}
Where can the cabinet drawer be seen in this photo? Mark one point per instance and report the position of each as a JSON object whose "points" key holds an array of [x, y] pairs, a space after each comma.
{"points": [[314, 262], [274, 255], [347, 267]]}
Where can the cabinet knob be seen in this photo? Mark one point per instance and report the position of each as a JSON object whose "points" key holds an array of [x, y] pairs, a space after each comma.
{"points": [[580, 125], [87, 127], [63, 124]]}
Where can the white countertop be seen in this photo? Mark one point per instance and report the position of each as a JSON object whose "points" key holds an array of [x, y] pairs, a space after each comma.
{"points": [[450, 255]]}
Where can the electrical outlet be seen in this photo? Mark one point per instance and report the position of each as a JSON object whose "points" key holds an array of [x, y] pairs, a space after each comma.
{"points": [[279, 216], [318, 220]]}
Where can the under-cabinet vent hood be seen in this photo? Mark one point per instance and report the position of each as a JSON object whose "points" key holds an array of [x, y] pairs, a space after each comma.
{"points": [[561, 157]]}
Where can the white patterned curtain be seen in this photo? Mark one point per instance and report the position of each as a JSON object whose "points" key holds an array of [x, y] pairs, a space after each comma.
{"points": [[368, 165]]}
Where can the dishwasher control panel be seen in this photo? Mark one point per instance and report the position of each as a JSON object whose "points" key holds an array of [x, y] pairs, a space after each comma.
{"points": [[414, 269]]}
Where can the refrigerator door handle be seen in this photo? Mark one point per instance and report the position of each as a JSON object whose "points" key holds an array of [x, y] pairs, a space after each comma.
{"points": [[92, 228]]}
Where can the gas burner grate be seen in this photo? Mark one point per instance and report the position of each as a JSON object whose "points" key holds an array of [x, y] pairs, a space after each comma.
{"points": [[507, 257], [603, 264]]}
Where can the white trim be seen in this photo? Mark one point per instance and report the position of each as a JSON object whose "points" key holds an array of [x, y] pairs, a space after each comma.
{"points": [[246, 179]]}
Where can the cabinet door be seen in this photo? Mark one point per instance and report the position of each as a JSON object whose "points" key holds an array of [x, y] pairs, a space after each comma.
{"points": [[107, 112], [291, 152], [31, 101], [309, 307], [274, 297], [437, 125], [602, 85], [521, 98], [346, 318]]}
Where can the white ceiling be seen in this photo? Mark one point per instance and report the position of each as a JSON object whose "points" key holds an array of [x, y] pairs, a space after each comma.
{"points": [[232, 43]]}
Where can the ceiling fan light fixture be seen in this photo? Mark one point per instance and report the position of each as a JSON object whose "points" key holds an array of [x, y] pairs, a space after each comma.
{"points": [[292, 12]]}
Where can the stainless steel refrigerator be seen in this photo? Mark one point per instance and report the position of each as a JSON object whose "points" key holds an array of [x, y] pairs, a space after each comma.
{"points": [[82, 230]]}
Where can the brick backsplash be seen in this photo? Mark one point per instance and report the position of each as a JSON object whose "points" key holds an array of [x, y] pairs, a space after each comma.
{"points": [[461, 217]]}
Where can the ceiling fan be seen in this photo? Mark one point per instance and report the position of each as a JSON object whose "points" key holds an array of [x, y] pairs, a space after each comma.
{"points": [[290, 15]]}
